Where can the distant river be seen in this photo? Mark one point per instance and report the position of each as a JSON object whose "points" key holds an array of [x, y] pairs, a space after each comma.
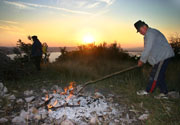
{"points": [[53, 56], [134, 54]]}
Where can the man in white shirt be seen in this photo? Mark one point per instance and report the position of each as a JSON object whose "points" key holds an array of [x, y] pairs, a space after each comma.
{"points": [[157, 52]]}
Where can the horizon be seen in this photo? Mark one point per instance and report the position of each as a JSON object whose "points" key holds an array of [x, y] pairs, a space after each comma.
{"points": [[73, 23], [74, 47]]}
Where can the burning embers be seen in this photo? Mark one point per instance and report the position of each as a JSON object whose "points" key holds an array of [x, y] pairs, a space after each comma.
{"points": [[66, 95], [78, 108]]}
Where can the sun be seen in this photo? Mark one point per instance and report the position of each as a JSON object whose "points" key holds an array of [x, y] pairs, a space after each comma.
{"points": [[88, 39]]}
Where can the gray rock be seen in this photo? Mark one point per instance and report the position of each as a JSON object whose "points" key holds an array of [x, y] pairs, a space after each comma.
{"points": [[19, 101], [3, 89], [3, 120], [44, 91], [67, 122], [93, 121], [19, 120], [98, 95], [12, 97], [173, 94], [37, 117], [29, 99], [28, 92], [143, 117], [57, 88], [24, 114]]}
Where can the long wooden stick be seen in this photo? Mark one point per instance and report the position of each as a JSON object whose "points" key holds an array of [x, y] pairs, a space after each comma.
{"points": [[106, 77]]}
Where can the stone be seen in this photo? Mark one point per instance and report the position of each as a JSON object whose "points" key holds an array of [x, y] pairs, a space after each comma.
{"points": [[143, 117], [37, 117], [9, 105], [57, 88], [29, 99], [19, 101], [44, 115], [1, 85], [98, 95], [3, 89], [173, 94], [12, 97], [44, 91], [24, 114], [3, 120], [93, 121], [19, 120], [28, 92], [67, 122]]}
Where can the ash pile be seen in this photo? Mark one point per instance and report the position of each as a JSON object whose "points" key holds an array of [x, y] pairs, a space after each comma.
{"points": [[66, 107]]}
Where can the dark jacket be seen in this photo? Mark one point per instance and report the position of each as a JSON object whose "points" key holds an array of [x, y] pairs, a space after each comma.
{"points": [[36, 48]]}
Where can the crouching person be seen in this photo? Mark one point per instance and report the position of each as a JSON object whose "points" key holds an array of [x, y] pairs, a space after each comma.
{"points": [[158, 53]]}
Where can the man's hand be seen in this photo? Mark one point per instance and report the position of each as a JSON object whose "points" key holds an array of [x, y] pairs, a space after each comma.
{"points": [[140, 63]]}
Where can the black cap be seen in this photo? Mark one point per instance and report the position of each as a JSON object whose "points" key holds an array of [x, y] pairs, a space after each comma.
{"points": [[139, 24], [34, 37]]}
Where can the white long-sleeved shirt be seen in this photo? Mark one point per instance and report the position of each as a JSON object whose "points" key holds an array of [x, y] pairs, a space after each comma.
{"points": [[156, 47]]}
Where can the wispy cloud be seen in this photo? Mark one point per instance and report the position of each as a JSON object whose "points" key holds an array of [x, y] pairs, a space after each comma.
{"points": [[17, 4], [57, 8], [70, 6], [12, 28], [93, 5], [24, 5], [108, 2], [8, 21]]}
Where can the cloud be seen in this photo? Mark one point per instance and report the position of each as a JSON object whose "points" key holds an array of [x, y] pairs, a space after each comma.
{"points": [[57, 8], [108, 2], [8, 21], [64, 5], [93, 5], [11, 28], [19, 5], [25, 5]]}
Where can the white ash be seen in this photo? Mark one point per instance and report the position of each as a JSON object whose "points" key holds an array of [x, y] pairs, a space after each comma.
{"points": [[87, 107]]}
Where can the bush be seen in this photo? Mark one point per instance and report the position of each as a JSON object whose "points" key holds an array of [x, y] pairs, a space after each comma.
{"points": [[95, 52], [175, 43]]}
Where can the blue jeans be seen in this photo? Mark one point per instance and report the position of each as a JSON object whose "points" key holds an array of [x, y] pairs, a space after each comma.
{"points": [[157, 77]]}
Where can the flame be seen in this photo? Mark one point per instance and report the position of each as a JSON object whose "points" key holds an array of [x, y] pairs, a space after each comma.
{"points": [[70, 95], [50, 106], [67, 90], [55, 103]]}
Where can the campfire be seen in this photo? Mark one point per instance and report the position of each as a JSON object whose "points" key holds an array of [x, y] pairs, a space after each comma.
{"points": [[68, 107], [77, 107]]}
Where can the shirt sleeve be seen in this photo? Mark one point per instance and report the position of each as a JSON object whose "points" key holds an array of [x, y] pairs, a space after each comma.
{"points": [[149, 39]]}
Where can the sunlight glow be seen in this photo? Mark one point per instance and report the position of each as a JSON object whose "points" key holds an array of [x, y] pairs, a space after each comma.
{"points": [[88, 39]]}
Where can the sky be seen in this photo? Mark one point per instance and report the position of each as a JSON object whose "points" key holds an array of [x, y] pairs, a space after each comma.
{"points": [[77, 22]]}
